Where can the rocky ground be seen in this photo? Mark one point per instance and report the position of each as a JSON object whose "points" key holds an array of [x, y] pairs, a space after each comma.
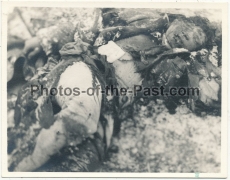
{"points": [[156, 141]]}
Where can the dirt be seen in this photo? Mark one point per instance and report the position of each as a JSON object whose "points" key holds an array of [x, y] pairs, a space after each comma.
{"points": [[157, 141]]}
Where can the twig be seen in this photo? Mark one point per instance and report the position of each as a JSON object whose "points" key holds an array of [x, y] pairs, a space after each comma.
{"points": [[23, 20]]}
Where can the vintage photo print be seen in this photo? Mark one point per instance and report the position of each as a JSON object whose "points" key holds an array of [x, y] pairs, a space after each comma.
{"points": [[114, 89]]}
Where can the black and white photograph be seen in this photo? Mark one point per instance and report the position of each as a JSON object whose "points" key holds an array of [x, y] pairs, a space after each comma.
{"points": [[116, 89]]}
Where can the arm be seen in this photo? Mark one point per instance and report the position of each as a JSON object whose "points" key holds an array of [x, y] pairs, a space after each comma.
{"points": [[53, 38]]}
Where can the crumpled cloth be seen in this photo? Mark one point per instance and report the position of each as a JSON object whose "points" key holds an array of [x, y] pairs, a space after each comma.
{"points": [[34, 112]]}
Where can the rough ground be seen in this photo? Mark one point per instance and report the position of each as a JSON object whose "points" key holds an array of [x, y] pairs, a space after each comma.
{"points": [[156, 141]]}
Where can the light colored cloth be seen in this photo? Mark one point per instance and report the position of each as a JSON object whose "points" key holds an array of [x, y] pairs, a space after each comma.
{"points": [[77, 120]]}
